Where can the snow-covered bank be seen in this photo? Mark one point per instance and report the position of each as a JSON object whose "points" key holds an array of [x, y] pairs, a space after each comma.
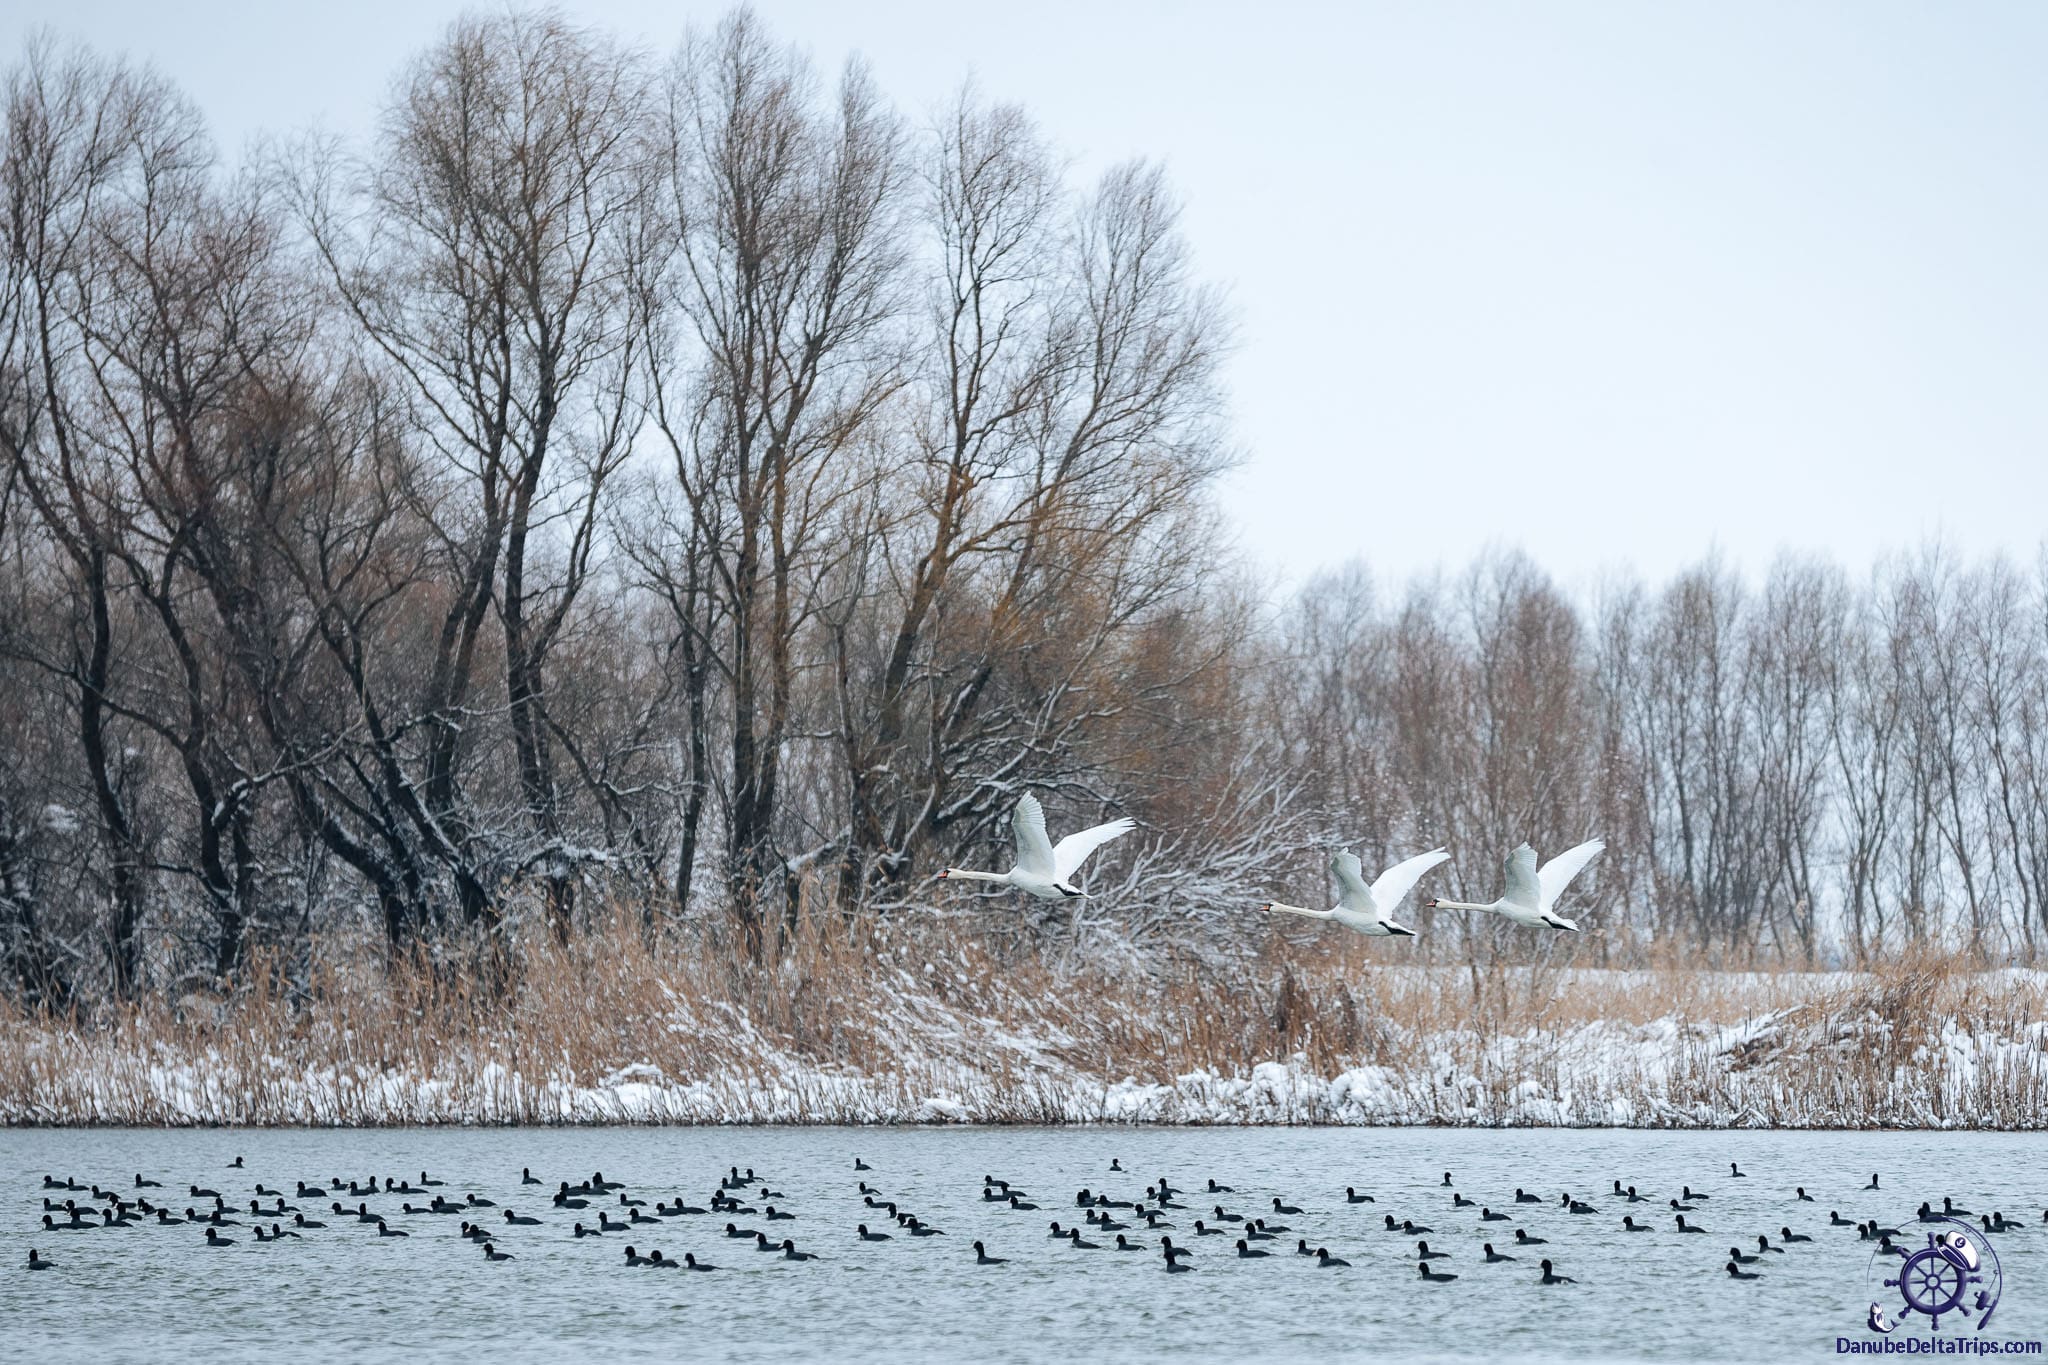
{"points": [[1663, 1074], [918, 1043]]}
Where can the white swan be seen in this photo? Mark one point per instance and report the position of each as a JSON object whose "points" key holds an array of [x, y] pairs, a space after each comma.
{"points": [[1369, 909], [1043, 867], [1531, 893]]}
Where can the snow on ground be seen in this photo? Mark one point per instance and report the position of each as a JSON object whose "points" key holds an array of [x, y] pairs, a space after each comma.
{"points": [[1791, 1067]]}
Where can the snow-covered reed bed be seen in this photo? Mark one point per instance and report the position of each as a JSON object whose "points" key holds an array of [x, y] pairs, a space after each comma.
{"points": [[874, 1023]]}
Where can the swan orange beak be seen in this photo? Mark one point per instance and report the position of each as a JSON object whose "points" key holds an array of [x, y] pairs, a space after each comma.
{"points": [[940, 877]]}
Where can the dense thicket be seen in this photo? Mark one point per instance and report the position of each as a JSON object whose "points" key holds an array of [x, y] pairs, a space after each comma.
{"points": [[693, 485]]}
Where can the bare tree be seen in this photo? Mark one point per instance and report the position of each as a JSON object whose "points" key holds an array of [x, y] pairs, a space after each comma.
{"points": [[494, 257], [1064, 432], [74, 124], [784, 278]]}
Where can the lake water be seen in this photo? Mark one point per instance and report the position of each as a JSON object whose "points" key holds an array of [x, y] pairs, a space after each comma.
{"points": [[343, 1292]]}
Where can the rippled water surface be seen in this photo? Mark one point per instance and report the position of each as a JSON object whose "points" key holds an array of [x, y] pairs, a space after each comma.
{"points": [[343, 1292]]}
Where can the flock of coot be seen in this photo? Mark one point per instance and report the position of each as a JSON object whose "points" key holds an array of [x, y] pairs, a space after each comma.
{"points": [[600, 1208]]}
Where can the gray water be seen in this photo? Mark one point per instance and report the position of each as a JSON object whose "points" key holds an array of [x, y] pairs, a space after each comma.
{"points": [[345, 1293]]}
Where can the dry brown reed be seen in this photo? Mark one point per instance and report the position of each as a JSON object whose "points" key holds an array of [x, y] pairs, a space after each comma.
{"points": [[922, 1019]]}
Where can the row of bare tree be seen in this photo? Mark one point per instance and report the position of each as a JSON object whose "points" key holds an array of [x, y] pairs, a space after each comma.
{"points": [[690, 485], [678, 479], [1793, 768]]}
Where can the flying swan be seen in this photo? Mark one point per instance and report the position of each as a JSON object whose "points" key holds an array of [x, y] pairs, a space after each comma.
{"points": [[1531, 893], [1369, 909], [1044, 868]]}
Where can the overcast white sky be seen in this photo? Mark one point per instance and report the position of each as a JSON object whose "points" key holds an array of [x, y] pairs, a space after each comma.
{"points": [[1617, 283]]}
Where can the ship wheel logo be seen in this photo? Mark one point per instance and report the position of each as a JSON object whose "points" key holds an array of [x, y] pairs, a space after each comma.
{"points": [[1956, 1272]]}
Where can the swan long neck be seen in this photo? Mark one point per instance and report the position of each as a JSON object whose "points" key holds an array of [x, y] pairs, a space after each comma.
{"points": [[1301, 910], [966, 876], [1441, 904]]}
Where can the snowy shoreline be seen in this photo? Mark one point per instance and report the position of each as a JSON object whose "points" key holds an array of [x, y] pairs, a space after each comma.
{"points": [[1789, 1068]]}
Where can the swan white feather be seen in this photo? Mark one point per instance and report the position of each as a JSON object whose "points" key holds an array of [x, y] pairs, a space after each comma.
{"points": [[1532, 893], [1368, 909], [1045, 869]]}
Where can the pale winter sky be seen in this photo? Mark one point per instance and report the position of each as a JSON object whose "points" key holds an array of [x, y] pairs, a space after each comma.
{"points": [[1616, 283]]}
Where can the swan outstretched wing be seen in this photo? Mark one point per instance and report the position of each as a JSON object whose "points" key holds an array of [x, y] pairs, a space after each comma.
{"points": [[1398, 880], [1352, 892], [1523, 886], [1072, 851], [1557, 874], [1034, 849]]}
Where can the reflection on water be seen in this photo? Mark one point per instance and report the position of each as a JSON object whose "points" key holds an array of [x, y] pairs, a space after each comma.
{"points": [[154, 1291]]}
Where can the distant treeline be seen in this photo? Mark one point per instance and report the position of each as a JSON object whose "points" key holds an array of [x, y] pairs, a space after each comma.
{"points": [[1811, 768], [692, 484]]}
